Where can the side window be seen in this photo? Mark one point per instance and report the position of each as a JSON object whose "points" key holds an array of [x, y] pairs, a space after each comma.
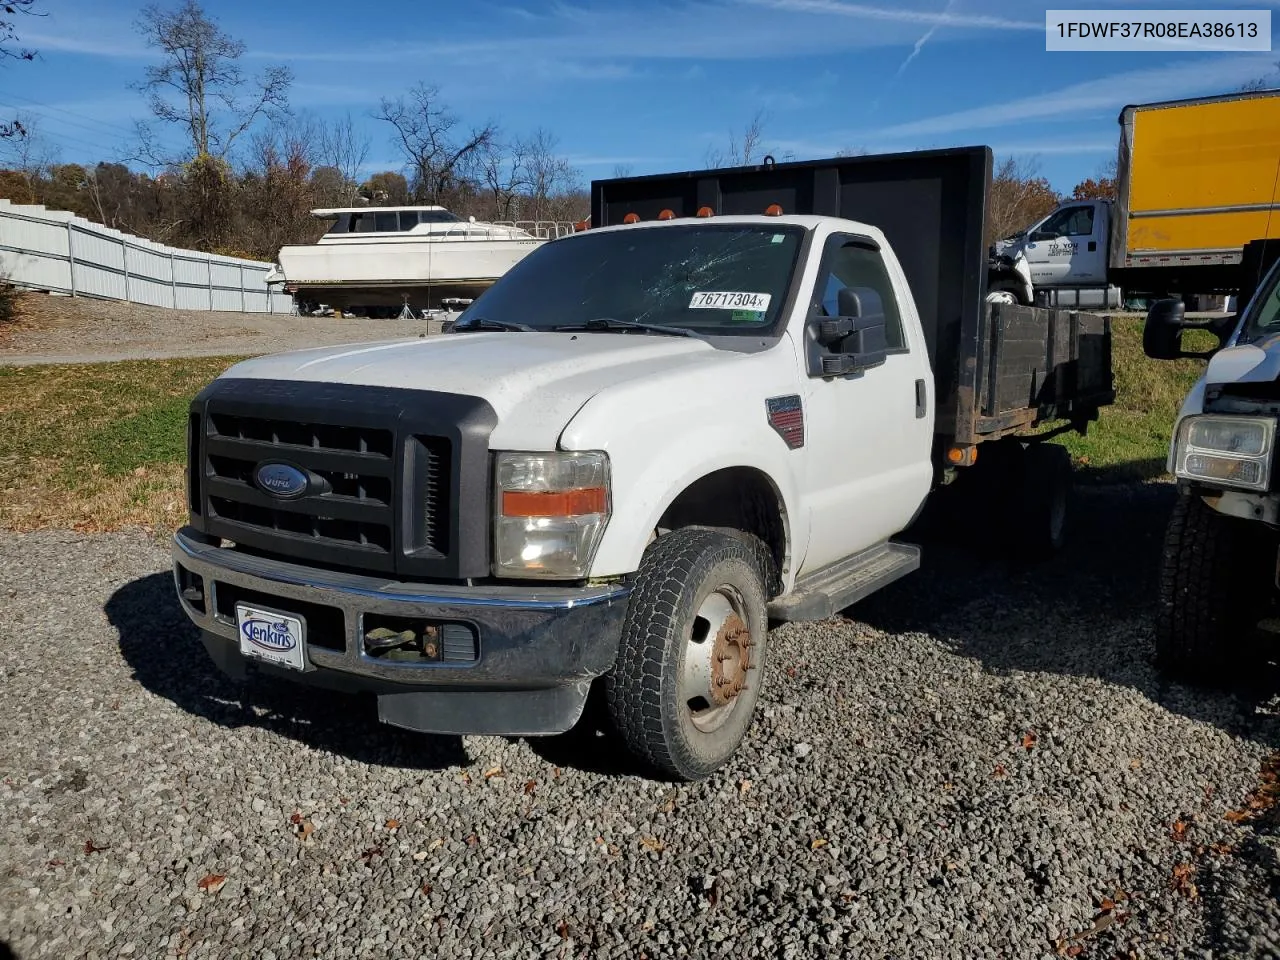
{"points": [[362, 223], [408, 219], [388, 222], [1069, 222], [861, 269], [1080, 223]]}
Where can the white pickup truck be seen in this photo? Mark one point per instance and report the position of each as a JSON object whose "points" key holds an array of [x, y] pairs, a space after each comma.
{"points": [[713, 410], [1220, 574]]}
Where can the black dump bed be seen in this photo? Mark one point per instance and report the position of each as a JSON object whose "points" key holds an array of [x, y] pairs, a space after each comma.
{"points": [[999, 369]]}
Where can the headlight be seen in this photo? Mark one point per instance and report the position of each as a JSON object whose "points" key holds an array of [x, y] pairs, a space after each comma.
{"points": [[550, 513], [1229, 451]]}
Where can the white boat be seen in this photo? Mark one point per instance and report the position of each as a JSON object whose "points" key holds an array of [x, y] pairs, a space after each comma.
{"points": [[380, 260]]}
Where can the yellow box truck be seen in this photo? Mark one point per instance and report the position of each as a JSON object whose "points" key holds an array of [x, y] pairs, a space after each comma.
{"points": [[1197, 181]]}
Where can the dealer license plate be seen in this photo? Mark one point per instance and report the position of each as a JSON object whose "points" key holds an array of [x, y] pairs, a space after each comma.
{"points": [[271, 636]]}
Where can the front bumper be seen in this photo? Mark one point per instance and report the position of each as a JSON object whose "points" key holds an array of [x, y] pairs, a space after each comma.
{"points": [[537, 648]]}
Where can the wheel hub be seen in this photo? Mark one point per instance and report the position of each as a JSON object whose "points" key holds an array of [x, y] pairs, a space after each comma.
{"points": [[730, 660]]}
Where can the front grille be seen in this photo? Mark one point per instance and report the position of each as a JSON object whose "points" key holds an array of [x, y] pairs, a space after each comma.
{"points": [[396, 480]]}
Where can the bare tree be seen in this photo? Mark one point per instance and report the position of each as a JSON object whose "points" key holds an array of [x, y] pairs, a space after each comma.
{"points": [[345, 149], [1262, 83], [743, 148], [426, 133], [31, 154], [550, 175], [9, 9], [200, 87], [621, 170]]}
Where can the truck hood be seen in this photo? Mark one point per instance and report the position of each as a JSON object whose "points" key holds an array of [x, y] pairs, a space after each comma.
{"points": [[1246, 363], [535, 382]]}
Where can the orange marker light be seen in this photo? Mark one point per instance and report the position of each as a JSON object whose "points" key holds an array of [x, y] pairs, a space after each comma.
{"points": [[667, 215], [631, 218], [706, 212], [962, 456], [561, 503], [773, 210]]}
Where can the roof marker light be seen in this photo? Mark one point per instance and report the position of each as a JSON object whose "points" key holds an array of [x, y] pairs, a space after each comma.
{"points": [[631, 218], [773, 210], [667, 215], [706, 212]]}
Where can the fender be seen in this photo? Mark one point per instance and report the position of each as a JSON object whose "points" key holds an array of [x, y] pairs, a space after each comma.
{"points": [[647, 490], [666, 434]]}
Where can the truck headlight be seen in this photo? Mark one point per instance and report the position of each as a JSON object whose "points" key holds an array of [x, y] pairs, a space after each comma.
{"points": [[550, 513], [1228, 451]]}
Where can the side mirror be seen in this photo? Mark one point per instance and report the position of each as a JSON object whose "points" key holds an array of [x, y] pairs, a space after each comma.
{"points": [[1162, 333]]}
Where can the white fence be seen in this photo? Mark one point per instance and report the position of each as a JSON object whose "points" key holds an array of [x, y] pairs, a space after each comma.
{"points": [[58, 252]]}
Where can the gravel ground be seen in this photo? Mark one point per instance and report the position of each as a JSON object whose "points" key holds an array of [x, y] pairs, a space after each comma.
{"points": [[53, 329], [974, 765]]}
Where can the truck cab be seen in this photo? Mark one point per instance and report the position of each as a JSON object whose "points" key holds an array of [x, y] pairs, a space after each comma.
{"points": [[1064, 258]]}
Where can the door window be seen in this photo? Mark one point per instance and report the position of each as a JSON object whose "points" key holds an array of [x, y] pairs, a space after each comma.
{"points": [[1069, 222], [859, 268]]}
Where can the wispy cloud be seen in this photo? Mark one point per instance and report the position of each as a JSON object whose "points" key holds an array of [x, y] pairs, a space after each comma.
{"points": [[616, 33], [919, 44], [91, 45], [862, 11], [1110, 93]]}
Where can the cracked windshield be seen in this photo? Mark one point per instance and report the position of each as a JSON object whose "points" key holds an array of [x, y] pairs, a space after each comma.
{"points": [[720, 280]]}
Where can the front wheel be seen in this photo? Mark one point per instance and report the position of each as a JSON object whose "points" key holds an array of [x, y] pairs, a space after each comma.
{"points": [[690, 663], [1216, 578]]}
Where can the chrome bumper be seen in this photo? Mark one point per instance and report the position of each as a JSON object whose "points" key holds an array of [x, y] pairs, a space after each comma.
{"points": [[538, 647]]}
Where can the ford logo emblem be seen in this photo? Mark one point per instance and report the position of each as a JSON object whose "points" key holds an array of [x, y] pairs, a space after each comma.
{"points": [[281, 480]]}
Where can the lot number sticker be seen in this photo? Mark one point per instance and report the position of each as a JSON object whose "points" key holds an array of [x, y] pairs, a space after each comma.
{"points": [[758, 302]]}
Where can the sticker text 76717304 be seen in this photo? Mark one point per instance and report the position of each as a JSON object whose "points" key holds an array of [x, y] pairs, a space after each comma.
{"points": [[730, 300]]}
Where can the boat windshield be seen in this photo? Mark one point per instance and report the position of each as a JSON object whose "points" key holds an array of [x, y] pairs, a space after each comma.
{"points": [[727, 279], [375, 220]]}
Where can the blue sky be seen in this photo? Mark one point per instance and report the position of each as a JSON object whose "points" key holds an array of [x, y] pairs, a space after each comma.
{"points": [[653, 84]]}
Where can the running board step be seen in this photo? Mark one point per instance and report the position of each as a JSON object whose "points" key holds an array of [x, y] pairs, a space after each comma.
{"points": [[826, 592]]}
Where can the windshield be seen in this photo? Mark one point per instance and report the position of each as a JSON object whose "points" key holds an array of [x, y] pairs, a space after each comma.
{"points": [[1264, 319], [727, 279]]}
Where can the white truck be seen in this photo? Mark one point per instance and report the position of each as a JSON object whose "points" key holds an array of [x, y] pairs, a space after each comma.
{"points": [[1219, 598], [1197, 186], [713, 410]]}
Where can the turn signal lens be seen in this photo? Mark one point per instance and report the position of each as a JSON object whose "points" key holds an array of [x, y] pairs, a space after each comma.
{"points": [[561, 503], [962, 456]]}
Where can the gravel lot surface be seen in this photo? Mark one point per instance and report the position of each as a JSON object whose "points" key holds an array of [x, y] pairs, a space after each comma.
{"points": [[77, 330], [971, 766]]}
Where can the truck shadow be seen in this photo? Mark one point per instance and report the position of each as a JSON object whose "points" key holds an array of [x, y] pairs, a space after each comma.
{"points": [[1087, 612], [164, 651]]}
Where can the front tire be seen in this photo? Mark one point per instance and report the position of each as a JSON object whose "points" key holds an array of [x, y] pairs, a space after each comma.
{"points": [[690, 665], [1216, 577]]}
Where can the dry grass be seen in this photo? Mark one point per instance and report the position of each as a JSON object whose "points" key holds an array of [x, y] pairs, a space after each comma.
{"points": [[99, 446]]}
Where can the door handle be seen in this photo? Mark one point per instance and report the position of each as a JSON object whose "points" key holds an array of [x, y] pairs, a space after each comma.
{"points": [[921, 399], [1093, 245]]}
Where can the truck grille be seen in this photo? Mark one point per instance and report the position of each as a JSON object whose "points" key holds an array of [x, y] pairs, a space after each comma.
{"points": [[396, 480]]}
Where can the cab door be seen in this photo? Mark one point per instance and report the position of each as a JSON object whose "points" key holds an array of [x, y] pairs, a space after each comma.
{"points": [[1058, 247], [868, 435]]}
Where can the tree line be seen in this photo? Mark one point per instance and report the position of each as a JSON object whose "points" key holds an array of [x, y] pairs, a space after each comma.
{"points": [[229, 167]]}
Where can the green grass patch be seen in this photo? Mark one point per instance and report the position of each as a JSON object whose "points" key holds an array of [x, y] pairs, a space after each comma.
{"points": [[97, 446], [1130, 440]]}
